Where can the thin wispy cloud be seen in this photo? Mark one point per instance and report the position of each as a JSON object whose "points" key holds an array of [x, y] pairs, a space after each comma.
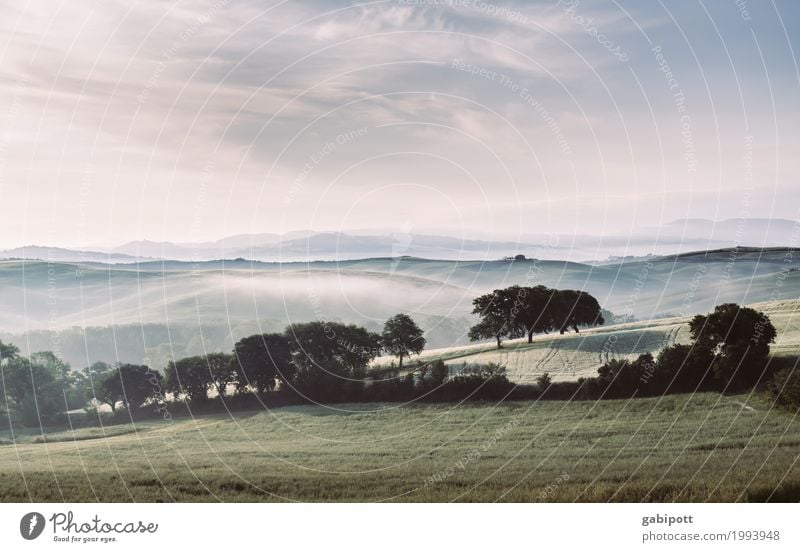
{"points": [[135, 121]]}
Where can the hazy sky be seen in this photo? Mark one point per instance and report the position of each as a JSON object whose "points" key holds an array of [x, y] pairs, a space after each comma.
{"points": [[192, 120]]}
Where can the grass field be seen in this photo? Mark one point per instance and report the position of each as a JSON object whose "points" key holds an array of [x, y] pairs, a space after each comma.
{"points": [[676, 448]]}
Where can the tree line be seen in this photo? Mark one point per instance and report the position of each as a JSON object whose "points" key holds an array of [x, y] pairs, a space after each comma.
{"points": [[519, 311], [313, 361], [328, 362]]}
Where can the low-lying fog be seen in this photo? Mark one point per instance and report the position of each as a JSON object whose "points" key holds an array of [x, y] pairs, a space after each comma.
{"points": [[152, 312]]}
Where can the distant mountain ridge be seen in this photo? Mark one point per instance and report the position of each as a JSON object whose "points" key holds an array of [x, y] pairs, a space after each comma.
{"points": [[679, 236], [63, 255], [745, 231]]}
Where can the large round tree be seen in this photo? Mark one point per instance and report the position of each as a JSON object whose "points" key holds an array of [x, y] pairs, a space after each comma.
{"points": [[261, 360], [499, 315], [739, 339], [572, 308], [402, 337], [330, 359]]}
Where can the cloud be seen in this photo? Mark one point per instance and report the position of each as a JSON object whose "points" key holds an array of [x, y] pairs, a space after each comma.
{"points": [[176, 110]]}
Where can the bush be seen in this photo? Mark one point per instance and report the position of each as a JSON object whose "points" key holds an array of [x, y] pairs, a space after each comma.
{"points": [[438, 373], [390, 387], [474, 382], [784, 389], [624, 378], [684, 369], [543, 381]]}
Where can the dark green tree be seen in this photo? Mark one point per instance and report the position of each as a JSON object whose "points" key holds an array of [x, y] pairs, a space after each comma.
{"points": [[222, 369], [535, 309], [8, 351], [498, 312], [96, 387], [439, 372], [572, 308], [402, 337], [622, 378], [433, 375], [739, 338], [190, 376], [36, 387], [133, 384], [330, 359], [682, 368], [260, 361]]}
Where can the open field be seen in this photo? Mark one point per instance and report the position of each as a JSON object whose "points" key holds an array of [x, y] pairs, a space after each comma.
{"points": [[565, 357], [676, 448]]}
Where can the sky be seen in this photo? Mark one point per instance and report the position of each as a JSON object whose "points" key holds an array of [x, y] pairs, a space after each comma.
{"points": [[193, 120]]}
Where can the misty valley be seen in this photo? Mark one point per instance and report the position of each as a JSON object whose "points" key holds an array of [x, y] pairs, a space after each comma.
{"points": [[158, 311]]}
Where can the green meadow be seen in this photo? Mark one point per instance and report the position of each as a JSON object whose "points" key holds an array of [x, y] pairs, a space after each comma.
{"points": [[703, 447]]}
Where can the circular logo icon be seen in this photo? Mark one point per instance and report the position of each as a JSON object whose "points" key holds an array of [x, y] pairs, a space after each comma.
{"points": [[31, 525]]}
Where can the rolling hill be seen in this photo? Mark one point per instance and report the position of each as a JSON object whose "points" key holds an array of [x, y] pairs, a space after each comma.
{"points": [[94, 311]]}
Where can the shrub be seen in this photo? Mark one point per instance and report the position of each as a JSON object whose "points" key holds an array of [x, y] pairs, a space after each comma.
{"points": [[624, 378], [784, 389], [475, 382], [543, 381], [683, 369]]}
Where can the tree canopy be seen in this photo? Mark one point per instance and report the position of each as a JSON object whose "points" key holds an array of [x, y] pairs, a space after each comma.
{"points": [[517, 311], [402, 337], [330, 358], [739, 339], [36, 387], [133, 384], [196, 376], [261, 360]]}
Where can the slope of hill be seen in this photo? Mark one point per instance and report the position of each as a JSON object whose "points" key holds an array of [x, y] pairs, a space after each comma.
{"points": [[571, 356], [61, 294]]}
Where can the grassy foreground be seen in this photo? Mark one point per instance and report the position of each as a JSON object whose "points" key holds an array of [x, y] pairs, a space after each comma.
{"points": [[676, 448]]}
